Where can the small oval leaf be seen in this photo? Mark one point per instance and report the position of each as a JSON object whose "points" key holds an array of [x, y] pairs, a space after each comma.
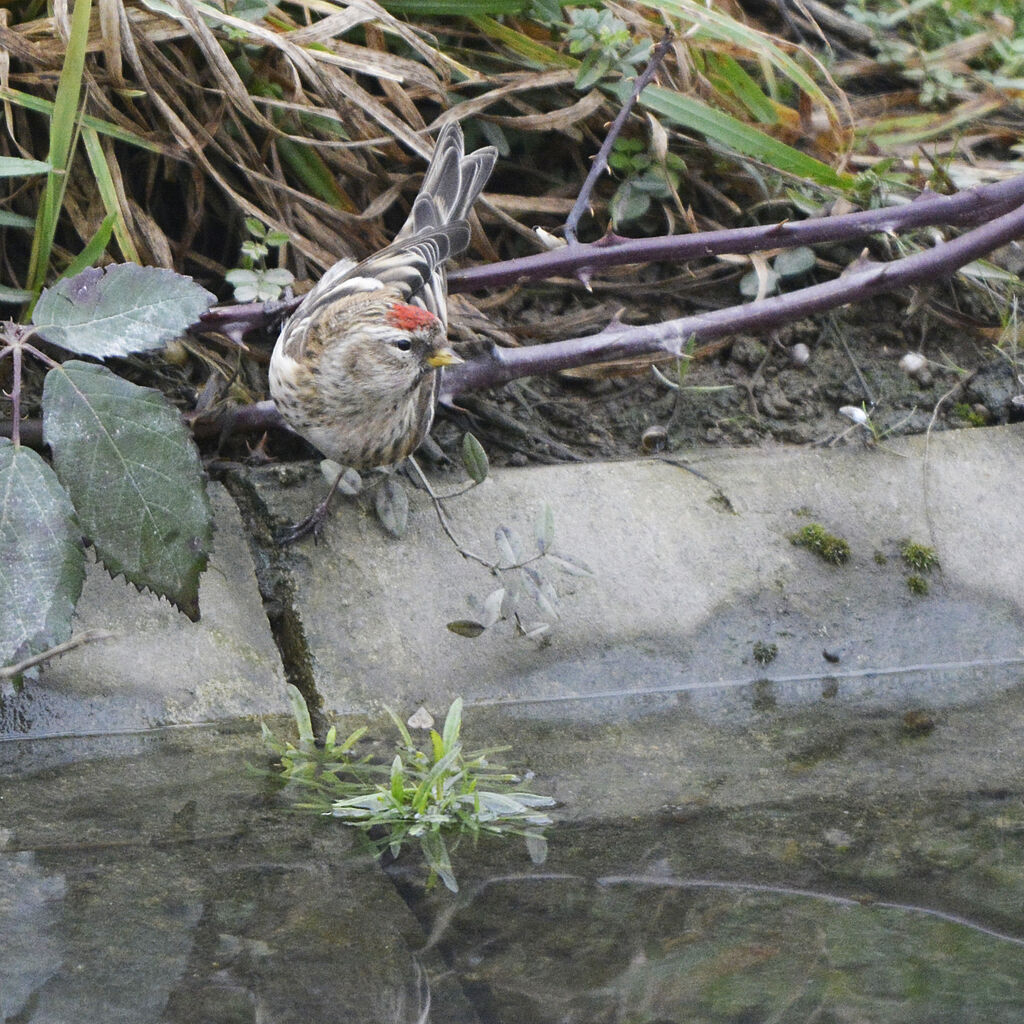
{"points": [[474, 458], [508, 547], [545, 529], [392, 505], [794, 262], [467, 628]]}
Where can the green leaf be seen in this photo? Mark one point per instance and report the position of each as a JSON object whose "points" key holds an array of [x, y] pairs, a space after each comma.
{"points": [[120, 310], [42, 564], [397, 781], [392, 505], [63, 135], [14, 296], [94, 249], [466, 627], [453, 724], [14, 166], [732, 133], [629, 203], [300, 712], [134, 477], [474, 458], [15, 220], [436, 853]]}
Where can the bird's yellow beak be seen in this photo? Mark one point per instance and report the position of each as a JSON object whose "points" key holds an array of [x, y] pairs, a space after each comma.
{"points": [[443, 357]]}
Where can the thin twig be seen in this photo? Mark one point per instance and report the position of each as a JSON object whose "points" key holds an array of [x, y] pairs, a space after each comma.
{"points": [[16, 397], [601, 160], [442, 518], [88, 637]]}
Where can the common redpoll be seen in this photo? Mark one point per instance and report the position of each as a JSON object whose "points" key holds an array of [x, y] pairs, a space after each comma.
{"points": [[355, 369]]}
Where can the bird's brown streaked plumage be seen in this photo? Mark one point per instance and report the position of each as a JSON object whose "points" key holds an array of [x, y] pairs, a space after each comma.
{"points": [[355, 368]]}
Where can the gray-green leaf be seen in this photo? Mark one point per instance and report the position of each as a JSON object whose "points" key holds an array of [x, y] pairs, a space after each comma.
{"points": [[134, 477], [544, 529], [474, 458], [794, 262], [122, 309], [392, 506], [42, 564]]}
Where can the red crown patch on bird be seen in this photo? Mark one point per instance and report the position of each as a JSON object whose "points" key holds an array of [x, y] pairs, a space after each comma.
{"points": [[409, 318]]}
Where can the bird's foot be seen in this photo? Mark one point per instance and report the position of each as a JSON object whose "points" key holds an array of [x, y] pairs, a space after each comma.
{"points": [[313, 525]]}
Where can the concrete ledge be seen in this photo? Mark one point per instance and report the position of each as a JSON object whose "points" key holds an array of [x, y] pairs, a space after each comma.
{"points": [[160, 669], [692, 571]]}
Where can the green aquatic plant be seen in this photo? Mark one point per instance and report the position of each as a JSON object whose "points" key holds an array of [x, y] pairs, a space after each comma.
{"points": [[434, 796]]}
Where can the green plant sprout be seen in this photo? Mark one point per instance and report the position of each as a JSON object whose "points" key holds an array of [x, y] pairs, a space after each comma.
{"points": [[254, 281], [825, 545], [607, 44], [918, 557], [434, 796]]}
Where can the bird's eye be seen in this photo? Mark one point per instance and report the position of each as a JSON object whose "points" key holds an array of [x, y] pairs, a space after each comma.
{"points": [[403, 344]]}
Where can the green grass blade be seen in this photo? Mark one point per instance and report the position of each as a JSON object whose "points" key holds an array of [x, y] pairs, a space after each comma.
{"points": [[15, 166], [544, 56], [63, 133], [733, 134], [727, 75], [108, 193], [15, 220], [94, 248], [42, 106]]}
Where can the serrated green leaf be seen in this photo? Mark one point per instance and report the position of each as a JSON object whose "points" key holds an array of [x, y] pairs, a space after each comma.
{"points": [[474, 458], [392, 505], [466, 627], [42, 564], [134, 477], [122, 309]]}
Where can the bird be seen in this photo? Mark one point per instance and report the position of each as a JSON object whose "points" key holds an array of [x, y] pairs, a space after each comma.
{"points": [[356, 367]]}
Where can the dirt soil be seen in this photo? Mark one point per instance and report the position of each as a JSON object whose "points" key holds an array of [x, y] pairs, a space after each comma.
{"points": [[752, 391]]}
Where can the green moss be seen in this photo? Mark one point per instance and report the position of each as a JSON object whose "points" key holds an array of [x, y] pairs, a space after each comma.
{"points": [[918, 557], [966, 413], [880, 558], [917, 585], [825, 545]]}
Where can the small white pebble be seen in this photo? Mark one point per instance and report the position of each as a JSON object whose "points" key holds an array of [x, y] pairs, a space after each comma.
{"points": [[913, 363], [855, 413], [800, 354]]}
